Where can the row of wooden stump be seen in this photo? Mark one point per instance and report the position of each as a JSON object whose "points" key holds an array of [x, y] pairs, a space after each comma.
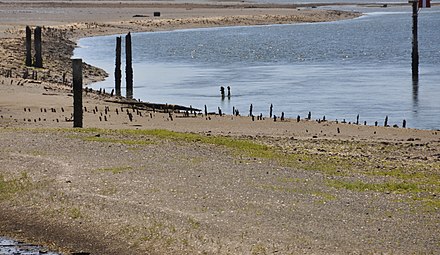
{"points": [[77, 85], [236, 112]]}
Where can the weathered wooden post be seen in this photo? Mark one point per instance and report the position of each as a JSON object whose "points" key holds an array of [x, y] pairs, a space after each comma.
{"points": [[77, 93], [270, 110], [38, 48], [118, 74], [128, 67], [415, 44], [28, 46], [250, 110], [385, 124], [222, 92]]}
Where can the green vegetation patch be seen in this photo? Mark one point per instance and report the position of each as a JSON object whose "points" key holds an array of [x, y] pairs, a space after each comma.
{"points": [[10, 187], [114, 140], [391, 161], [377, 187], [75, 213], [241, 146]]}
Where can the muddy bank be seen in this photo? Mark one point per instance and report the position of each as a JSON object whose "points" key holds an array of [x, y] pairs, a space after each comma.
{"points": [[159, 192]]}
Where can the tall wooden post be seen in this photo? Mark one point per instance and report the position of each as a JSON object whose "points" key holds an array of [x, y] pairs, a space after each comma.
{"points": [[38, 48], [28, 46], [118, 74], [77, 93], [415, 43], [128, 67]]}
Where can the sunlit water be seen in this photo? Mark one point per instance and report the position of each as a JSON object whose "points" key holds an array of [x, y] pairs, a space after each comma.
{"points": [[337, 69]]}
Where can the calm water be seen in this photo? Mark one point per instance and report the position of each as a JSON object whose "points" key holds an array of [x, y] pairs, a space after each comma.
{"points": [[337, 69]]}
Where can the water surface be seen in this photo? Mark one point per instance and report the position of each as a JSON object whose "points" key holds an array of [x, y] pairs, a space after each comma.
{"points": [[337, 69], [11, 247]]}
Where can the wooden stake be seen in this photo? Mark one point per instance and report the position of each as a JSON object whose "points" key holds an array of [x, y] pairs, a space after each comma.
{"points": [[415, 43], [118, 74], [128, 67], [77, 93], [38, 48], [28, 46], [270, 110]]}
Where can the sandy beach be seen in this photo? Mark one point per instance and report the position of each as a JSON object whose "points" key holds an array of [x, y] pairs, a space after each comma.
{"points": [[168, 183]]}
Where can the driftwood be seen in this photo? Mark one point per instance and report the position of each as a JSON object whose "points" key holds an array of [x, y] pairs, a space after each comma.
{"points": [[146, 105]]}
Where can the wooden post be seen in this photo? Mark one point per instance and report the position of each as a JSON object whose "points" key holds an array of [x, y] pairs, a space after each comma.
{"points": [[415, 44], [77, 93], [38, 48], [118, 74], [128, 67], [28, 46], [270, 110]]}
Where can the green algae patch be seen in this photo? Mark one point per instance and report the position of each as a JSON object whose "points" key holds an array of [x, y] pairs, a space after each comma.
{"points": [[377, 187], [10, 187], [114, 140]]}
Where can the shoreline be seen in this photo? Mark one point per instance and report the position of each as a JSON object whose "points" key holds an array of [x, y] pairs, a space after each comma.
{"points": [[120, 187], [68, 32]]}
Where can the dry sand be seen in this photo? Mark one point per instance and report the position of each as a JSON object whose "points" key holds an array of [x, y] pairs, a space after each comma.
{"points": [[229, 185]]}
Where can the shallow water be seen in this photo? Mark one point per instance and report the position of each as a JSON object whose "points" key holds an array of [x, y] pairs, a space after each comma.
{"points": [[11, 247], [337, 69]]}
